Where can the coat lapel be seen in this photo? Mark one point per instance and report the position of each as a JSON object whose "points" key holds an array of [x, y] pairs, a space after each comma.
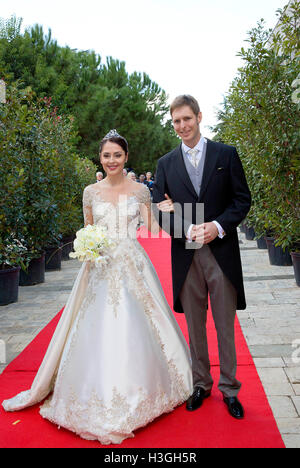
{"points": [[182, 172], [209, 165]]}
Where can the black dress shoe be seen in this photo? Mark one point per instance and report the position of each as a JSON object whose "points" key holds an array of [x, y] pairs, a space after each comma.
{"points": [[196, 399], [234, 406]]}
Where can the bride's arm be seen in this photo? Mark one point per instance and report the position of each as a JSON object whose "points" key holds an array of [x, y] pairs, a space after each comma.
{"points": [[146, 210], [87, 206]]}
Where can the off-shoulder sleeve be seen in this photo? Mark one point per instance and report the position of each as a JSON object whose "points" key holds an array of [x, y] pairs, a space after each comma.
{"points": [[147, 215], [87, 206]]}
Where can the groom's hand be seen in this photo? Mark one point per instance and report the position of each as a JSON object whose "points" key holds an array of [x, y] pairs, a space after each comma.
{"points": [[204, 233]]}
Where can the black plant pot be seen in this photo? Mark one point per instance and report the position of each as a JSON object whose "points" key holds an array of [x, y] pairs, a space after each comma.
{"points": [[261, 243], [9, 285], [243, 227], [296, 264], [277, 255], [249, 233], [67, 247], [35, 274], [53, 258]]}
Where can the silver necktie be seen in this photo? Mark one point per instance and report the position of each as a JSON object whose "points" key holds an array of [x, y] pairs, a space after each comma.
{"points": [[193, 156]]}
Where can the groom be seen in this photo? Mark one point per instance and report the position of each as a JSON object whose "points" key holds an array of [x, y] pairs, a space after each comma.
{"points": [[200, 171]]}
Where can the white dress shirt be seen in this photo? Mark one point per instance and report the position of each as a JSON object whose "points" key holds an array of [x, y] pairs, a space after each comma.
{"points": [[199, 146]]}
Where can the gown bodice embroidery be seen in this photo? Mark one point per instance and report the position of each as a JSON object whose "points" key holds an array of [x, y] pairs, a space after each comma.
{"points": [[121, 216]]}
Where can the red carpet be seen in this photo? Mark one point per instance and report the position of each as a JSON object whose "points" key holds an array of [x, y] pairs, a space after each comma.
{"points": [[209, 427]]}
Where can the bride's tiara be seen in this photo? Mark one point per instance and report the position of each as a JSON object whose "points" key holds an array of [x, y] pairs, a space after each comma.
{"points": [[120, 139], [111, 134]]}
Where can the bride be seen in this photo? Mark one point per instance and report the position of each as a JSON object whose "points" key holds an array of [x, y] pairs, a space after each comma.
{"points": [[117, 359]]}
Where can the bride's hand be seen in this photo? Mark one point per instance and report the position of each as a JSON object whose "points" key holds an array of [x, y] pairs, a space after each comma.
{"points": [[167, 205]]}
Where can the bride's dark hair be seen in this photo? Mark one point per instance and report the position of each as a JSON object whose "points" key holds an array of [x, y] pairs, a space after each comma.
{"points": [[114, 137]]}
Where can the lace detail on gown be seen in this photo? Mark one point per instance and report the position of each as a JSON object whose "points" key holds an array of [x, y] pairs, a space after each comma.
{"points": [[124, 360]]}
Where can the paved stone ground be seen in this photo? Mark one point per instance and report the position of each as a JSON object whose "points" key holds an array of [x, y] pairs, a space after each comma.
{"points": [[271, 325], [37, 305]]}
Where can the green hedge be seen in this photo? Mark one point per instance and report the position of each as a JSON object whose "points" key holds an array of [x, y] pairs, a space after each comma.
{"points": [[41, 178], [260, 116]]}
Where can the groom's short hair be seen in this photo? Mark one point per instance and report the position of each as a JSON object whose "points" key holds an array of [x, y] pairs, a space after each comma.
{"points": [[185, 100]]}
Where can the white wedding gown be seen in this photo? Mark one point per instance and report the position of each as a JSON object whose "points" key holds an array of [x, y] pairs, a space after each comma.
{"points": [[117, 359]]}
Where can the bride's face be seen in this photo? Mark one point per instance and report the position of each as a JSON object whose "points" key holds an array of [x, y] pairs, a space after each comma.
{"points": [[113, 158]]}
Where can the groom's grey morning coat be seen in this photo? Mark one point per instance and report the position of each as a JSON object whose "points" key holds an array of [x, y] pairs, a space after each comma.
{"points": [[226, 198]]}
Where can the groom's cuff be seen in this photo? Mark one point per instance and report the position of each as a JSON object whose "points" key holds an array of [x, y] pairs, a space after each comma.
{"points": [[220, 229], [188, 234]]}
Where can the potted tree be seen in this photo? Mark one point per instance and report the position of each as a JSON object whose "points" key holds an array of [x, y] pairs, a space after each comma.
{"points": [[277, 254], [65, 183], [289, 235], [53, 256], [249, 232], [260, 116], [295, 254], [12, 253], [14, 122], [261, 241], [38, 223], [248, 228], [257, 214]]}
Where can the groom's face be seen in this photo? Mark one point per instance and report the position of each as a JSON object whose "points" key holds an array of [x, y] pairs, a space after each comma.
{"points": [[186, 125]]}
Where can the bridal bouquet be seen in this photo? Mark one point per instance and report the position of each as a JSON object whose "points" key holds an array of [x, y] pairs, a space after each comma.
{"points": [[92, 243]]}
